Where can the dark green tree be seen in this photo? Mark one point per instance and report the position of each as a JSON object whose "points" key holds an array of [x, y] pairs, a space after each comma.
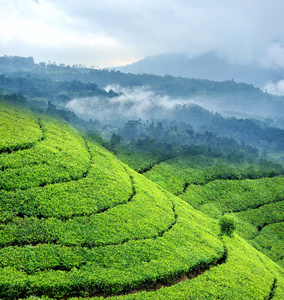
{"points": [[227, 225]]}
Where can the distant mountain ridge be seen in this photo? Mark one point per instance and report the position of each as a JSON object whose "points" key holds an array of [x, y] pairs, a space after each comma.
{"points": [[206, 66], [21, 75]]}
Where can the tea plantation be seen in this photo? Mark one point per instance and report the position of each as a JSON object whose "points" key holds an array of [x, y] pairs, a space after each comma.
{"points": [[257, 204], [75, 222]]}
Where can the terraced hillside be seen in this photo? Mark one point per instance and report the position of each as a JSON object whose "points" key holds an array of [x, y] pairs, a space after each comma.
{"points": [[76, 222], [216, 189]]}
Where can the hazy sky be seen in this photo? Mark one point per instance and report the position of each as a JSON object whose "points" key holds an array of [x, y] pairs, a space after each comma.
{"points": [[116, 32]]}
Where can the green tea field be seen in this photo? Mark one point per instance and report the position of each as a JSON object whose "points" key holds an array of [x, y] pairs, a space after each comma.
{"points": [[76, 222]]}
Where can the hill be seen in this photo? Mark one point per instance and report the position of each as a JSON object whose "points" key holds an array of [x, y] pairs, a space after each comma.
{"points": [[75, 221], [168, 100], [60, 83], [206, 66]]}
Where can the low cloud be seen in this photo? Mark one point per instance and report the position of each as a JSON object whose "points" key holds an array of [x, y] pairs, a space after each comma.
{"points": [[275, 89], [133, 103]]}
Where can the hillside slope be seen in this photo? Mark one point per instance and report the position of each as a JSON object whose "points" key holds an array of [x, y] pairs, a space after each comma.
{"points": [[75, 221], [252, 194]]}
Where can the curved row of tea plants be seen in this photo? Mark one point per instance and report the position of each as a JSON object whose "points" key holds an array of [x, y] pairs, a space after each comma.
{"points": [[270, 241], [236, 195], [106, 185], [178, 173], [256, 204], [246, 274], [140, 218], [61, 156], [139, 161], [19, 128]]}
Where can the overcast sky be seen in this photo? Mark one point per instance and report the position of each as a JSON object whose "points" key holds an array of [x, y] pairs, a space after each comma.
{"points": [[107, 33]]}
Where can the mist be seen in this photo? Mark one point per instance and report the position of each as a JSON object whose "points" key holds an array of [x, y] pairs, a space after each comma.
{"points": [[275, 88], [132, 104], [144, 103]]}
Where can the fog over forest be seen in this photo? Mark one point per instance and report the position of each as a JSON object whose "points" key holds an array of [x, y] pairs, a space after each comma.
{"points": [[142, 102], [132, 103]]}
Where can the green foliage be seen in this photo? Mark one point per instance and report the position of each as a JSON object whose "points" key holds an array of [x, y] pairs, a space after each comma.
{"points": [[256, 205], [35, 85], [227, 225], [174, 178], [247, 274], [183, 171], [264, 215], [107, 178], [116, 268], [15, 98], [140, 218], [19, 128], [236, 195], [142, 155], [51, 160], [270, 241]]}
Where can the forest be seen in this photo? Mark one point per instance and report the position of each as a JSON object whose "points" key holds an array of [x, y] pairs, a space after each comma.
{"points": [[117, 186]]}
